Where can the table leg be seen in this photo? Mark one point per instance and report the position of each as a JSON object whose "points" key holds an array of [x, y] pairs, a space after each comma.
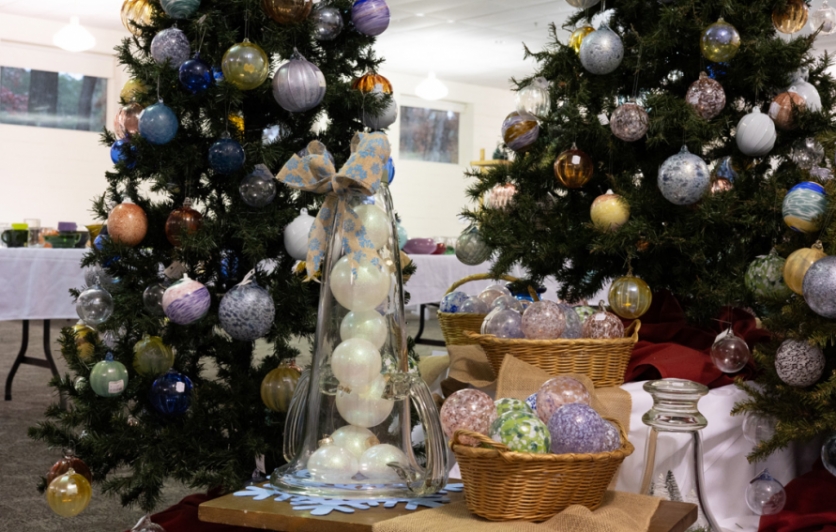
{"points": [[418, 339], [49, 363], [21, 356]]}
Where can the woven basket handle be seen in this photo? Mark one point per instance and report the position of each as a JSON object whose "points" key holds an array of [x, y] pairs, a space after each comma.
{"points": [[479, 277], [484, 440]]}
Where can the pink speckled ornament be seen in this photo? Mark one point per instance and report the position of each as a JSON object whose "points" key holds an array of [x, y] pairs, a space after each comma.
{"points": [[467, 409], [127, 224], [603, 325], [543, 320], [557, 392]]}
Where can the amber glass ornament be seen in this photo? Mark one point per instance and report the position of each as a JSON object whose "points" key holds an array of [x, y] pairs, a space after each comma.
{"points": [[791, 18], [798, 263], [236, 122], [83, 335], [152, 357], [182, 220], [138, 11], [127, 224], [630, 297], [69, 494], [372, 82], [573, 168], [577, 37], [783, 108], [132, 90], [278, 386], [65, 464], [126, 122], [287, 11]]}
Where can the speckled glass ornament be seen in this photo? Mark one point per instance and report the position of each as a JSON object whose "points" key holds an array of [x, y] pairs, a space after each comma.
{"points": [[259, 188], [828, 454], [629, 122], [126, 122], [182, 221], [506, 404], [534, 98], [559, 391], [474, 305], [584, 312], [489, 294], [506, 323], [328, 23], [630, 297], [609, 212], [370, 17], [331, 463], [574, 328], [543, 320], [245, 65], [799, 363], [797, 264], [764, 494], [127, 224], [720, 42], [804, 207], [94, 306], [684, 178], [791, 18], [170, 46], [180, 9], [578, 36], [824, 18], [195, 75], [578, 428], [158, 124], [186, 301], [152, 299], [278, 386], [521, 432], [374, 462], [287, 11], [706, 96], [508, 302], [729, 352], [152, 357], [109, 377], [531, 402], [467, 409], [453, 301], [755, 134], [69, 494], [298, 85], [603, 325], [807, 153], [471, 249], [573, 168], [783, 108], [171, 393], [520, 130], [765, 278], [246, 312], [601, 51]]}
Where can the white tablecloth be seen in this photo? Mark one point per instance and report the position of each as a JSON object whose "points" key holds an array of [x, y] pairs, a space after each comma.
{"points": [[35, 283]]}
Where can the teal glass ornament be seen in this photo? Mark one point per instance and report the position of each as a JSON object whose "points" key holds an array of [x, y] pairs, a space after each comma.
{"points": [[403, 237], [158, 124], [180, 8], [804, 207], [109, 377]]}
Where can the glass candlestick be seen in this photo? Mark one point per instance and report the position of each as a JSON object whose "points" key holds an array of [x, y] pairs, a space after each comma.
{"points": [[677, 475]]}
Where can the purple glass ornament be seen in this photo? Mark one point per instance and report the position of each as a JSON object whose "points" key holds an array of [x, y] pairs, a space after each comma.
{"points": [[467, 409], [370, 17], [577, 428], [186, 301], [509, 302], [474, 305], [520, 130], [573, 327], [170, 45], [506, 323], [557, 392], [543, 320], [298, 85]]}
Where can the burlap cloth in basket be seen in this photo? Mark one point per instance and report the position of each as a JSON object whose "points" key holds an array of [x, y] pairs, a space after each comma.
{"points": [[620, 512]]}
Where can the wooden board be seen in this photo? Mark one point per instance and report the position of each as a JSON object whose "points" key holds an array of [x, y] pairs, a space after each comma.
{"points": [[270, 515]]}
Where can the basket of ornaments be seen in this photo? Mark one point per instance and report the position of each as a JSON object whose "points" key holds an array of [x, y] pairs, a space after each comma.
{"points": [[459, 312], [532, 459]]}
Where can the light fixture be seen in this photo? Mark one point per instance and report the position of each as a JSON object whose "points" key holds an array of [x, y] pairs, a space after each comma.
{"points": [[431, 88], [74, 37]]}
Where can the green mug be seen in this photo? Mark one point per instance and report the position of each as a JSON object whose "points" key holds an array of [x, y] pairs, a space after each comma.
{"points": [[63, 239], [15, 238]]}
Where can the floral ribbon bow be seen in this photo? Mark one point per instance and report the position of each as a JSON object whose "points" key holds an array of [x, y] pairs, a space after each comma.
{"points": [[360, 175]]}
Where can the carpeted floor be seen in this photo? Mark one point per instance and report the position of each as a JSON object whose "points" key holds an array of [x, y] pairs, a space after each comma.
{"points": [[22, 461]]}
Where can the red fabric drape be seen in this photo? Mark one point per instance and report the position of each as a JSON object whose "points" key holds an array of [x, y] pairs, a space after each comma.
{"points": [[811, 505], [182, 517]]}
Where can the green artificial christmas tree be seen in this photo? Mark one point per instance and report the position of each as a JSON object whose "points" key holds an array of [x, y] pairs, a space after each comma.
{"points": [[716, 79], [208, 130]]}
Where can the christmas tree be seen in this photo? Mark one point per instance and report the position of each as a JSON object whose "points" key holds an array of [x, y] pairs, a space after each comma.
{"points": [[213, 131], [617, 105]]}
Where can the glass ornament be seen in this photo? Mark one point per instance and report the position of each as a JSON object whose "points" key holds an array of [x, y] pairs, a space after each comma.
{"points": [[226, 155], [372, 83], [521, 432], [764, 494], [296, 235], [384, 119], [467, 409], [720, 185], [127, 224], [507, 323], [601, 51], [791, 18], [171, 394], [584, 312], [828, 454], [287, 11], [246, 312], [543, 320], [819, 287], [804, 206], [186, 301], [727, 169], [573, 168], [797, 264], [132, 89], [259, 188], [374, 462], [452, 302], [328, 23], [278, 386], [578, 428], [367, 325], [375, 222], [573, 329], [534, 98], [366, 407], [783, 108], [184, 220], [370, 17], [333, 464], [122, 151], [474, 305], [798, 363], [196, 75], [63, 465], [807, 153], [509, 302], [756, 134], [489, 294], [136, 13], [520, 131], [609, 212], [603, 325], [152, 299], [684, 178], [506, 404], [152, 357], [764, 278], [706, 96], [824, 19], [403, 236], [179, 9], [170, 46], [126, 122], [720, 41], [146, 525], [245, 65], [629, 122], [729, 352], [360, 286], [500, 196], [94, 306], [807, 90], [630, 297], [83, 336], [69, 494], [158, 124], [109, 377], [356, 440], [758, 428], [559, 391], [582, 4], [298, 85], [578, 36], [471, 249]]}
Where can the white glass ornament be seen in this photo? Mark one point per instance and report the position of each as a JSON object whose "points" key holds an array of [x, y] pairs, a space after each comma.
{"points": [[534, 98], [375, 222], [383, 120], [601, 51], [582, 4], [353, 439], [756, 134], [825, 18], [331, 463], [809, 92], [374, 462], [362, 287], [296, 235], [356, 363], [365, 407], [368, 325]]}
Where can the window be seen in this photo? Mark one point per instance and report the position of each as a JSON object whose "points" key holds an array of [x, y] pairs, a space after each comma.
{"points": [[429, 135], [52, 99]]}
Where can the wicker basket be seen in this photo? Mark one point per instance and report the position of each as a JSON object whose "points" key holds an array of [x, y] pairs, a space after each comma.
{"points": [[501, 485], [603, 361], [453, 326]]}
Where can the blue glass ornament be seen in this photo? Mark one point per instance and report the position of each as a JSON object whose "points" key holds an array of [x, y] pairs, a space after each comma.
{"points": [[226, 155], [122, 151], [229, 266], [452, 302], [370, 17], [390, 170], [158, 124], [100, 240], [717, 70], [171, 394], [217, 73], [246, 312], [196, 74]]}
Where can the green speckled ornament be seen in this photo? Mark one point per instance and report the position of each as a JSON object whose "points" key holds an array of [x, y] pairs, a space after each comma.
{"points": [[505, 405], [584, 311], [521, 432], [765, 277]]}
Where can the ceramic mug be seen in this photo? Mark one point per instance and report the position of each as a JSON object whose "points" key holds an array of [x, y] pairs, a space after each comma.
{"points": [[15, 238], [63, 240]]}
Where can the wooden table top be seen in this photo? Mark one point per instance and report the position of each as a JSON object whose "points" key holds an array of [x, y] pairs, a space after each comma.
{"points": [[270, 515]]}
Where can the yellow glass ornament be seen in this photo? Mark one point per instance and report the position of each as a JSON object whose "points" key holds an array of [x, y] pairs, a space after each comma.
{"points": [[720, 41], [83, 335], [630, 297], [609, 212], [236, 120], [138, 11], [69, 494], [798, 263], [152, 357], [577, 37], [278, 386], [132, 90], [791, 18], [573, 168], [245, 65]]}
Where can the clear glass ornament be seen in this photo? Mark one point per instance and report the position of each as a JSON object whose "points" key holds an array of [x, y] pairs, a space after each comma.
{"points": [[471, 249], [259, 188], [825, 18], [534, 98], [146, 525], [758, 427], [94, 306], [807, 153], [729, 352], [828, 454], [765, 495]]}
